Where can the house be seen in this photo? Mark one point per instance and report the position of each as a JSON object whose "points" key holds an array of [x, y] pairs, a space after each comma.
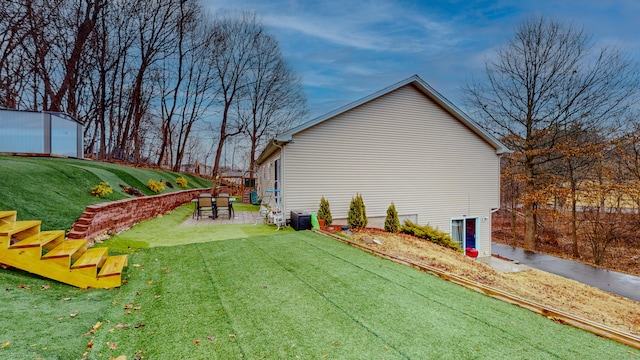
{"points": [[40, 133], [404, 144]]}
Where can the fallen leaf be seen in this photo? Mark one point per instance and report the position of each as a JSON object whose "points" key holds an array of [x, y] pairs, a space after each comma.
{"points": [[122, 326], [121, 357], [23, 286], [95, 327], [156, 297], [45, 287], [149, 282], [137, 308], [4, 346], [212, 338], [90, 344], [113, 346], [197, 342], [60, 318], [73, 314], [129, 306], [136, 265], [139, 325], [66, 299]]}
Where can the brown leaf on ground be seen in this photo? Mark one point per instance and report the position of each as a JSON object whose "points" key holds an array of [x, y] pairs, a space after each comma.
{"points": [[95, 328], [112, 346], [45, 287]]}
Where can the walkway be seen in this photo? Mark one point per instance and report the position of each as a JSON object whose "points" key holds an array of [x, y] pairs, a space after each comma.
{"points": [[611, 281]]}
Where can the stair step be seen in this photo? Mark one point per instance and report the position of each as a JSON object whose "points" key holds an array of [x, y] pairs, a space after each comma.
{"points": [[7, 217], [73, 248], [92, 257], [113, 266], [18, 226], [76, 234], [41, 239]]}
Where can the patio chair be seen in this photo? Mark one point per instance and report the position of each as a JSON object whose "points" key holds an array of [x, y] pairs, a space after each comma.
{"points": [[205, 204], [223, 203]]}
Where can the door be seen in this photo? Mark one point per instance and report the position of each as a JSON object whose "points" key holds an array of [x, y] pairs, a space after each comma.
{"points": [[464, 232]]}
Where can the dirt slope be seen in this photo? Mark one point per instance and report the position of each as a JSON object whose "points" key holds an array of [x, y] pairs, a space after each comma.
{"points": [[551, 290]]}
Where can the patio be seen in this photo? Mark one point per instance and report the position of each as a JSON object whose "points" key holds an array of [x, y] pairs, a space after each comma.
{"points": [[239, 217]]}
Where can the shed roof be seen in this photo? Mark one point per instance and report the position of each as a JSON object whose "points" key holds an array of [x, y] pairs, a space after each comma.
{"points": [[413, 80]]}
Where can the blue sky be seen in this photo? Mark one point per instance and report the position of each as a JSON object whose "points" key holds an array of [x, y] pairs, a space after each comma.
{"points": [[345, 49]]}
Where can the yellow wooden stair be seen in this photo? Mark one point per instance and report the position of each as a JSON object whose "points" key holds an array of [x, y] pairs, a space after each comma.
{"points": [[48, 254]]}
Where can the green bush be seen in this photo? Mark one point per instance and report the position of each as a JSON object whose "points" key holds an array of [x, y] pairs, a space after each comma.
{"points": [[155, 186], [429, 233], [101, 190], [182, 182], [324, 212], [357, 218], [391, 222]]}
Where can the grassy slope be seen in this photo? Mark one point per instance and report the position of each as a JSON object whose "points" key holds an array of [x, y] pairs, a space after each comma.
{"points": [[280, 295], [56, 191]]}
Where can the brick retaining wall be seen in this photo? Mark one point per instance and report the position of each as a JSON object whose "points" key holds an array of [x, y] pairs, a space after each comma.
{"points": [[122, 214]]}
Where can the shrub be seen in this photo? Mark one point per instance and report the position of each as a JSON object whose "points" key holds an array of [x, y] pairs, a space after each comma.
{"points": [[429, 233], [391, 222], [324, 212], [357, 218], [182, 182], [101, 190], [155, 186]]}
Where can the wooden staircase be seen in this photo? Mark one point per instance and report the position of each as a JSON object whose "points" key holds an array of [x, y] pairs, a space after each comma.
{"points": [[48, 254]]}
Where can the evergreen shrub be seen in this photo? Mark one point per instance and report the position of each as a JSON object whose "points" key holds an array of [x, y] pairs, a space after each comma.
{"points": [[324, 212], [357, 218], [391, 222], [429, 233]]}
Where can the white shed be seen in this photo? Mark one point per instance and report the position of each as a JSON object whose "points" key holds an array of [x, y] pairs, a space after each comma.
{"points": [[404, 144]]}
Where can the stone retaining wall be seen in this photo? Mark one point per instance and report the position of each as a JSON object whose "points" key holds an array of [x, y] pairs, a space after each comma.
{"points": [[122, 214]]}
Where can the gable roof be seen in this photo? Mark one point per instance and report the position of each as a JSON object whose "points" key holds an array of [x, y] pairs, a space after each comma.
{"points": [[415, 80]]}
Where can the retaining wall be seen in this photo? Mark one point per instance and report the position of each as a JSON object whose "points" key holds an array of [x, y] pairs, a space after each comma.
{"points": [[122, 214]]}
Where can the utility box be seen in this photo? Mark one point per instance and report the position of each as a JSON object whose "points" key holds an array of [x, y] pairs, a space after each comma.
{"points": [[300, 220]]}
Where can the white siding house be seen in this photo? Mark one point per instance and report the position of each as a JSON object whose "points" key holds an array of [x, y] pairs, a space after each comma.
{"points": [[405, 144]]}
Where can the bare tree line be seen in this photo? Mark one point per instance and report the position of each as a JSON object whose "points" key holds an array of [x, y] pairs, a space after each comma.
{"points": [[568, 108], [144, 77]]}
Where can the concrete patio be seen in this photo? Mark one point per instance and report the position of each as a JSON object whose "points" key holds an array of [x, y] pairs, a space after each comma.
{"points": [[244, 217]]}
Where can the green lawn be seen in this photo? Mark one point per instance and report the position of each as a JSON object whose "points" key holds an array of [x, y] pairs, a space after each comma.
{"points": [[56, 191], [275, 295]]}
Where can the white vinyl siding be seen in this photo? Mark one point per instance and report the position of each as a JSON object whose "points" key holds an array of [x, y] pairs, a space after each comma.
{"points": [[400, 147]]}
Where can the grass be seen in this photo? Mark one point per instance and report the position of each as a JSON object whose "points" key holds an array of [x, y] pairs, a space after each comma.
{"points": [[56, 191], [272, 295]]}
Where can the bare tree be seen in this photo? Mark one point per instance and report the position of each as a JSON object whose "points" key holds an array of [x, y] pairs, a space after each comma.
{"points": [[232, 42], [274, 96], [548, 77]]}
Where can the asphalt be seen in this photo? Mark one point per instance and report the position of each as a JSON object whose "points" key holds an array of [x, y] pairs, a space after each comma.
{"points": [[612, 281]]}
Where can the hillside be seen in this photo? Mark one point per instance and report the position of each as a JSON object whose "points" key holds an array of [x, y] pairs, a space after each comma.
{"points": [[56, 190]]}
